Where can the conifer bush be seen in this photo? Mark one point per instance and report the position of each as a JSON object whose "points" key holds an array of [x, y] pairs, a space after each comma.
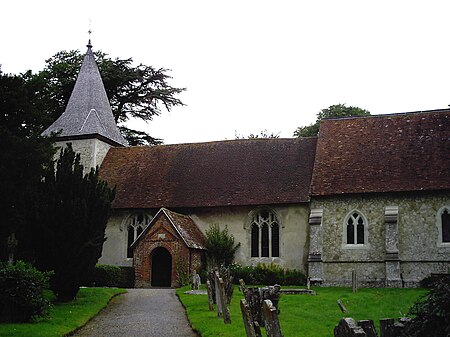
{"points": [[21, 292]]}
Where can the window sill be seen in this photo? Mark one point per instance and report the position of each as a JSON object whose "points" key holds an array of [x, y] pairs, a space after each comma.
{"points": [[355, 246]]}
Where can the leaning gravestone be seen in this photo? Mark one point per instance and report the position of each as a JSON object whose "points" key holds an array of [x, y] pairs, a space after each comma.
{"points": [[251, 327], [270, 313], [347, 327], [210, 295], [256, 296]]}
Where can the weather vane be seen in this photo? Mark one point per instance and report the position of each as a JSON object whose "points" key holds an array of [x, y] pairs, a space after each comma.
{"points": [[90, 32]]}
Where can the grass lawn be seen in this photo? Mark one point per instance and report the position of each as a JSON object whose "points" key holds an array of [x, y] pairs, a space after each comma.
{"points": [[65, 317], [305, 315]]}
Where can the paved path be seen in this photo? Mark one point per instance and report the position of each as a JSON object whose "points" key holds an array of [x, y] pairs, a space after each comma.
{"points": [[140, 313]]}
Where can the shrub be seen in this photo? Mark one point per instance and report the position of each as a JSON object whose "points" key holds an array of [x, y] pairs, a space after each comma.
{"points": [[113, 276], [220, 246], [269, 274], [432, 313], [21, 292]]}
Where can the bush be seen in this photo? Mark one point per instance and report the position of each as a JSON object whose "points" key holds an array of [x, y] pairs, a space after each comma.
{"points": [[113, 276], [267, 275], [432, 313], [21, 292], [220, 246]]}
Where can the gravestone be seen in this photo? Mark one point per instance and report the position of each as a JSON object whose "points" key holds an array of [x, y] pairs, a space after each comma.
{"points": [[196, 281], [255, 297], [341, 306], [368, 327], [217, 293], [347, 327], [223, 301], [354, 281], [251, 327], [270, 313], [210, 295]]}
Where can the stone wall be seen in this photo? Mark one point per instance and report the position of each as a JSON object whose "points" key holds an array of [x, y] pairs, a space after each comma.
{"points": [[401, 245], [92, 151], [293, 232]]}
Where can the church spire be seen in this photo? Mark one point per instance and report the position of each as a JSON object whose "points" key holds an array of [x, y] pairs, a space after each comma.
{"points": [[88, 113]]}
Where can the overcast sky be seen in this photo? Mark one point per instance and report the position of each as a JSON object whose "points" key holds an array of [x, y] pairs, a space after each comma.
{"points": [[251, 65]]}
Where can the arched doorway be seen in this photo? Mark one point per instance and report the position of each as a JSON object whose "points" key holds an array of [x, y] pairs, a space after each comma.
{"points": [[161, 268]]}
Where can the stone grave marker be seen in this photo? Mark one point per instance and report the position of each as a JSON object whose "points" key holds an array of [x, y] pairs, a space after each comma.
{"points": [[210, 295], [223, 301], [270, 313], [347, 327], [251, 327]]}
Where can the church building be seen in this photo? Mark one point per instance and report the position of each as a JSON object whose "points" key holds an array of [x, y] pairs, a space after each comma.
{"points": [[370, 194]]}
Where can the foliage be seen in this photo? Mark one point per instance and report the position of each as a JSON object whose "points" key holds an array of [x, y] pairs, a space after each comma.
{"points": [[220, 246], [262, 134], [71, 221], [431, 313], [106, 276], [267, 274], [333, 111], [304, 315], [65, 318], [24, 157], [21, 292], [183, 277], [134, 91]]}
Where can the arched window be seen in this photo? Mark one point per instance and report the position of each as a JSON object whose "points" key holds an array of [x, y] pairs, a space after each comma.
{"points": [[135, 225], [355, 229], [443, 224], [265, 234]]}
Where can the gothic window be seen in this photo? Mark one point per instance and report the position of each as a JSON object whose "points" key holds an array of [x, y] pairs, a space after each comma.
{"points": [[355, 229], [135, 225], [265, 234], [445, 218], [443, 224]]}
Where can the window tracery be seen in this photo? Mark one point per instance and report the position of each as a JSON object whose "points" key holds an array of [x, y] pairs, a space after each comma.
{"points": [[265, 234]]}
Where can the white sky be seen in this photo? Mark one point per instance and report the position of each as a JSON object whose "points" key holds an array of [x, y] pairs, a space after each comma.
{"points": [[251, 65]]}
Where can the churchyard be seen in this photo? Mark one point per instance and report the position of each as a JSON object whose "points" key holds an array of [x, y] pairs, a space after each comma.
{"points": [[304, 315]]}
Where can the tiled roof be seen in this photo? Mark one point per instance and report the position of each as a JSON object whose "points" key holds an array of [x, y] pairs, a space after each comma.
{"points": [[384, 153], [236, 172], [88, 112], [184, 226]]}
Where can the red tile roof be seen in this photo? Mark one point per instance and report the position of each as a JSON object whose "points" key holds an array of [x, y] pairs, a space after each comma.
{"points": [[237, 172], [184, 226], [385, 153]]}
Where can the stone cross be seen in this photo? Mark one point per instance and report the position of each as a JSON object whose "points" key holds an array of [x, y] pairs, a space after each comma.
{"points": [[270, 313]]}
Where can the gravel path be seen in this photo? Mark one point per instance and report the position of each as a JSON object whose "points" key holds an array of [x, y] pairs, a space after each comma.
{"points": [[140, 313]]}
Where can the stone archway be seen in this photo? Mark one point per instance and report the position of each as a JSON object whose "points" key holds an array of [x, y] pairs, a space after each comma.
{"points": [[161, 265]]}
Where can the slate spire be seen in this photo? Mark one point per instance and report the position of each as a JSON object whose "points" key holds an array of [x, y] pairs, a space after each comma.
{"points": [[88, 112]]}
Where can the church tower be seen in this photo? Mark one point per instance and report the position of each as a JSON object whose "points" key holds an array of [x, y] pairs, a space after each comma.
{"points": [[88, 122]]}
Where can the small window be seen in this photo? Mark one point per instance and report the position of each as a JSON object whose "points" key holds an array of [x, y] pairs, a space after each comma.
{"points": [[265, 234], [355, 229], [443, 225]]}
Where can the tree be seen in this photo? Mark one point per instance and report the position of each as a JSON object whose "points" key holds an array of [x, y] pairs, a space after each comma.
{"points": [[24, 158], [220, 246], [134, 91], [432, 313], [262, 134], [333, 111], [71, 223]]}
